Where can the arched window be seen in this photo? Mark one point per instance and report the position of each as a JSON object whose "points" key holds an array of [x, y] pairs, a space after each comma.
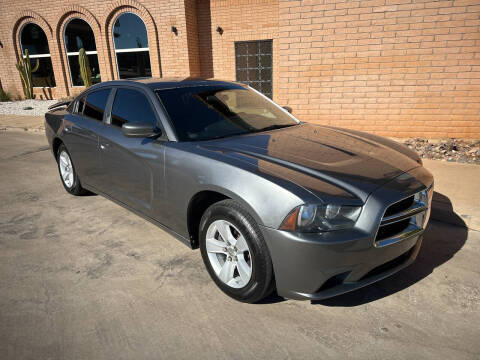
{"points": [[131, 47], [33, 39], [78, 34]]}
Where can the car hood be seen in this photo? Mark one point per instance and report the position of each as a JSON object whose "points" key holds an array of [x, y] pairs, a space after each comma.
{"points": [[325, 160]]}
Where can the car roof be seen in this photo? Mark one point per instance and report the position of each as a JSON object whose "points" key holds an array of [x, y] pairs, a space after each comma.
{"points": [[169, 83]]}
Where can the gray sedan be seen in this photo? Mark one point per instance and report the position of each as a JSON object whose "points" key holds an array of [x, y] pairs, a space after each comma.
{"points": [[273, 203]]}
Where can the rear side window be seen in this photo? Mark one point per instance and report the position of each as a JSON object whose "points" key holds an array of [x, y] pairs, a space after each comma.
{"points": [[95, 103], [131, 106]]}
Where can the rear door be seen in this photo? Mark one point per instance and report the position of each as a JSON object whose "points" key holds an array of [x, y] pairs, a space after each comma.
{"points": [[135, 166], [81, 136]]}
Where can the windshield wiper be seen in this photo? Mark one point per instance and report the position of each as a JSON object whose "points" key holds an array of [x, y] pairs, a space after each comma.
{"points": [[271, 127], [274, 127]]}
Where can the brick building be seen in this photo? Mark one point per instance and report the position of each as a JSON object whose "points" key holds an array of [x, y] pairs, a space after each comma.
{"points": [[393, 67]]}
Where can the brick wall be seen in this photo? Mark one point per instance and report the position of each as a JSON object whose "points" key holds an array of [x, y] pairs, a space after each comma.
{"points": [[170, 54], [393, 67], [241, 20]]}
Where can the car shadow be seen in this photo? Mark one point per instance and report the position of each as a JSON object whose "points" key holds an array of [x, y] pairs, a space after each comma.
{"points": [[445, 235], [89, 193], [273, 298]]}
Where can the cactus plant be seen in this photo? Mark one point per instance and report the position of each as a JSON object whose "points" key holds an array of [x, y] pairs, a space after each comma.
{"points": [[25, 69], [85, 71]]}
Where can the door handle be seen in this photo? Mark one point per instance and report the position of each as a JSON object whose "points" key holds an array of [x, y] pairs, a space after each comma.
{"points": [[103, 146]]}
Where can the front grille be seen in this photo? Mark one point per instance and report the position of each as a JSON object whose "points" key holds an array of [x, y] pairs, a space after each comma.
{"points": [[393, 229], [403, 219], [400, 206]]}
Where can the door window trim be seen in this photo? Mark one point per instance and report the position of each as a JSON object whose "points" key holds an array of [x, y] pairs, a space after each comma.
{"points": [[109, 107], [85, 95]]}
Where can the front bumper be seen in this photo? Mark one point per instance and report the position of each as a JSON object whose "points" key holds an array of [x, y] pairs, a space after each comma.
{"points": [[322, 265], [306, 269]]}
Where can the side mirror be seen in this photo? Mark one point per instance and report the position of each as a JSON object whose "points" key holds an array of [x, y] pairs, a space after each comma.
{"points": [[288, 108], [142, 130]]}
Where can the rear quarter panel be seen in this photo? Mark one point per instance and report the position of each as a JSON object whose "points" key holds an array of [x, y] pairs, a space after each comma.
{"points": [[54, 124]]}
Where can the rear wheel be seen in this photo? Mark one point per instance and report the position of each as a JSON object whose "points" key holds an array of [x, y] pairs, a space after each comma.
{"points": [[235, 253], [68, 175]]}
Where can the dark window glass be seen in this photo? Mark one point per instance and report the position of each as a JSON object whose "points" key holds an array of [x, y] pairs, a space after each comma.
{"points": [[131, 106], [253, 63], [129, 32], [34, 40], [95, 104], [43, 76], [78, 34], [129, 35], [134, 64], [209, 112], [75, 69]]}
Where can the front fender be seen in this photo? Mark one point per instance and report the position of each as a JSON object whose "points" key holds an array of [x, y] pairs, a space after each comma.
{"points": [[232, 195], [267, 198]]}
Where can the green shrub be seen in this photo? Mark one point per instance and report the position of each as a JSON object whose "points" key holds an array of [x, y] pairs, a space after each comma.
{"points": [[5, 96]]}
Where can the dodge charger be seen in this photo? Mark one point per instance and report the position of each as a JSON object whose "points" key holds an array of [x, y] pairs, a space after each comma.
{"points": [[273, 203]]}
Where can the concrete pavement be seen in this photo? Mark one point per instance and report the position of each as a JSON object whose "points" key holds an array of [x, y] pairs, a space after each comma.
{"points": [[21, 122], [82, 278], [457, 185]]}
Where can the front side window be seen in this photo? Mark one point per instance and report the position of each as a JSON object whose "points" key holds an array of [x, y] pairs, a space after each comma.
{"points": [[131, 47], [33, 39], [210, 112], [78, 35], [95, 103], [131, 106]]}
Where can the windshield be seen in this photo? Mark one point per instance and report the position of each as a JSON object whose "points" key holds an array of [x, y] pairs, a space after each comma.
{"points": [[211, 112]]}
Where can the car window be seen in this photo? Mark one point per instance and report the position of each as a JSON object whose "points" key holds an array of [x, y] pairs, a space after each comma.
{"points": [[95, 104], [211, 112], [131, 106]]}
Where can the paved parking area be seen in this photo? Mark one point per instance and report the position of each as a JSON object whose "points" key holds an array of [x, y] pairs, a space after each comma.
{"points": [[82, 278]]}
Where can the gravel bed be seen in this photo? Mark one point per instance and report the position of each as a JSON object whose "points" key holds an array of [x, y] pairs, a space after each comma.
{"points": [[26, 107], [463, 151]]}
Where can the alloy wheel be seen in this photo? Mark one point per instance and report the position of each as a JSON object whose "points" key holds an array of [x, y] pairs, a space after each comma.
{"points": [[66, 169], [229, 254]]}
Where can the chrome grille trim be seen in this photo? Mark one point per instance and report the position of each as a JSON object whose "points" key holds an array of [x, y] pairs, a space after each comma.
{"points": [[418, 214], [411, 230], [415, 209]]}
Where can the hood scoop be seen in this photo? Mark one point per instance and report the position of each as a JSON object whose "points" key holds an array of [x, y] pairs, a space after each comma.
{"points": [[357, 165]]}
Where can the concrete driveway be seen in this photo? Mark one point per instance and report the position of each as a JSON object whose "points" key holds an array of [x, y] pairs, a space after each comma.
{"points": [[82, 278]]}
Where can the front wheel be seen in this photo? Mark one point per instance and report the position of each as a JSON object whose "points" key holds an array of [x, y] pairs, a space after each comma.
{"points": [[235, 253]]}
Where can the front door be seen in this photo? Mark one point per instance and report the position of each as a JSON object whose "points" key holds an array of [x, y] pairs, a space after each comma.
{"points": [[135, 166]]}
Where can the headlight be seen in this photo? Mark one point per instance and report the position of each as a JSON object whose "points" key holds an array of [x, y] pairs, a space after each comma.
{"points": [[317, 218]]}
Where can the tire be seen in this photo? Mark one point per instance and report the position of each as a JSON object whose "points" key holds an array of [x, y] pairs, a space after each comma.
{"points": [[246, 248], [71, 183]]}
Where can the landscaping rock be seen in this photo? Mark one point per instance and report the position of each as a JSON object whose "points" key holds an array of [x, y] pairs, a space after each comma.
{"points": [[464, 151], [26, 107]]}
